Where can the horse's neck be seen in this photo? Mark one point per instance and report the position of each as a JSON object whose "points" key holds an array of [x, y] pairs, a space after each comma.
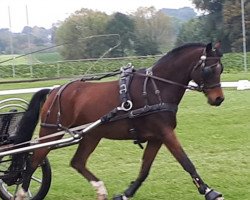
{"points": [[178, 73], [179, 66]]}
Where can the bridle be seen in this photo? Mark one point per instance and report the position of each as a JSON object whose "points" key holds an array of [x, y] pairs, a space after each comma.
{"points": [[202, 87], [207, 71]]}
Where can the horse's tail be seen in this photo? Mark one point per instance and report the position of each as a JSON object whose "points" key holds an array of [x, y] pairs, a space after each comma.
{"points": [[30, 118]]}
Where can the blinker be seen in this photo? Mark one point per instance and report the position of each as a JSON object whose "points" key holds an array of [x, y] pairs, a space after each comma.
{"points": [[207, 72]]}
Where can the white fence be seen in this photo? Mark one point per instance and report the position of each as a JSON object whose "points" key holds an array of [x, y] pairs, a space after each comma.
{"points": [[240, 85], [24, 91]]}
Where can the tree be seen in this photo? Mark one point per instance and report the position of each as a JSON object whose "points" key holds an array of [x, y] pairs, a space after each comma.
{"points": [[4, 41], [213, 17], [209, 6], [124, 26], [154, 31], [233, 25], [78, 34], [225, 18], [207, 28], [145, 45], [192, 31]]}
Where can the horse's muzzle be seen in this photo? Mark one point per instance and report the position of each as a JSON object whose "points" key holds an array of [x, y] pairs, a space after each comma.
{"points": [[215, 96], [216, 102]]}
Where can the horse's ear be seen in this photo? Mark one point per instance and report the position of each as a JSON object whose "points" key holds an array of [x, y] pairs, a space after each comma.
{"points": [[217, 48], [209, 48], [217, 45]]}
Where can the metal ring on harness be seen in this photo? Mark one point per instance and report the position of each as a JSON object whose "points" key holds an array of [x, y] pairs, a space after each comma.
{"points": [[126, 106]]}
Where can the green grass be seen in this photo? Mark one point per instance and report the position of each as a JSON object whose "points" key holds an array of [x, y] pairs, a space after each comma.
{"points": [[235, 76], [216, 139], [48, 57], [44, 57], [234, 61], [17, 61]]}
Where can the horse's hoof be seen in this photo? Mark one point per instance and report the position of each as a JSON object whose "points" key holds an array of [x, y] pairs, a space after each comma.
{"points": [[213, 195], [120, 197]]}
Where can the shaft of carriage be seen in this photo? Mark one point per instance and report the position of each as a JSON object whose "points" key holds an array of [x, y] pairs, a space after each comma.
{"points": [[75, 137]]}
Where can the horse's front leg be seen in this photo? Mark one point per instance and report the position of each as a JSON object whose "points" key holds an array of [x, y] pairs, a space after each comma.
{"points": [[86, 146], [150, 152], [176, 149]]}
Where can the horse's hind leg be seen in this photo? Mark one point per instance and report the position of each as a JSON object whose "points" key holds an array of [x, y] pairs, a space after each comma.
{"points": [[149, 154], [175, 148], [37, 158], [78, 162]]}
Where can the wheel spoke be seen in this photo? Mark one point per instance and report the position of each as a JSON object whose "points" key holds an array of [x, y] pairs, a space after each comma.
{"points": [[29, 193], [36, 179]]}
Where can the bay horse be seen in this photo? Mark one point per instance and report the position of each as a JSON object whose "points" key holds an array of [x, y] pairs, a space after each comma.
{"points": [[140, 106]]}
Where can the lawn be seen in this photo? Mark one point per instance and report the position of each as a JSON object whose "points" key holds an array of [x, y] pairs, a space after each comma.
{"points": [[217, 140], [47, 57], [12, 60]]}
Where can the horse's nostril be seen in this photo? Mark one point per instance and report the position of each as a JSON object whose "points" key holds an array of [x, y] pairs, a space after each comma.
{"points": [[219, 100]]}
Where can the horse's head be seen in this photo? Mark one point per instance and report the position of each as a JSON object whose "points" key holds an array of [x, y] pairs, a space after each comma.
{"points": [[207, 72]]}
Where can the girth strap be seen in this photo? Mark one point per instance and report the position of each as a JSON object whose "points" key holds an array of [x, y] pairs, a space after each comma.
{"points": [[146, 110]]}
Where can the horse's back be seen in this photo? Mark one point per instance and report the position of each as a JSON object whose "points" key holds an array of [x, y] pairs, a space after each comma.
{"points": [[81, 102]]}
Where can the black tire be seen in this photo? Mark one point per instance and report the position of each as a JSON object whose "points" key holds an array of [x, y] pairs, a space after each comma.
{"points": [[39, 184]]}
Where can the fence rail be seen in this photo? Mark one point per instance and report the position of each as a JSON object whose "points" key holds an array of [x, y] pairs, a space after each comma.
{"points": [[231, 62]]}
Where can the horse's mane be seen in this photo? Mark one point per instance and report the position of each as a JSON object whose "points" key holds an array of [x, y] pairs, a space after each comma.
{"points": [[178, 49]]}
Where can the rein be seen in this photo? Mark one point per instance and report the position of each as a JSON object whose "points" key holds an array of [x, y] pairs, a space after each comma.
{"points": [[190, 87]]}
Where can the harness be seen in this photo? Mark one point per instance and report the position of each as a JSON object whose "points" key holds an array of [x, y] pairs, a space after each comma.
{"points": [[127, 74]]}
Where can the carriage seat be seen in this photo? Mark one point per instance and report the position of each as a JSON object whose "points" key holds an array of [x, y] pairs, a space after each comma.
{"points": [[11, 112]]}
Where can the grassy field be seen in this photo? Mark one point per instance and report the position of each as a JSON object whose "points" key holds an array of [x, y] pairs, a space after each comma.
{"points": [[235, 76], [46, 57], [20, 61], [217, 140]]}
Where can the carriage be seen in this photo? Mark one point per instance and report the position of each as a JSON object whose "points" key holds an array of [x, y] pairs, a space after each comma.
{"points": [[11, 112], [140, 106]]}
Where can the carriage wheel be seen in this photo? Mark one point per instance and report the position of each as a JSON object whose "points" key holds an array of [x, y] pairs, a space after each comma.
{"points": [[39, 185]]}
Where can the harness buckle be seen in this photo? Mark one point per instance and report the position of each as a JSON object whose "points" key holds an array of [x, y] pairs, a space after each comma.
{"points": [[128, 66], [123, 88], [149, 71], [203, 57], [125, 106]]}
